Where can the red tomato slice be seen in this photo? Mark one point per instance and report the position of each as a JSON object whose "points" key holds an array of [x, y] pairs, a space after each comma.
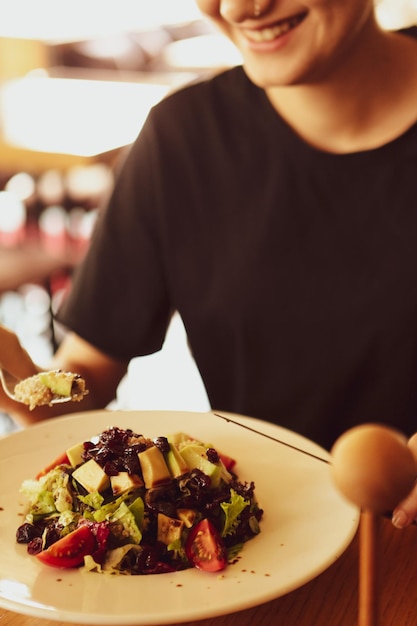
{"points": [[61, 460], [70, 550], [205, 548]]}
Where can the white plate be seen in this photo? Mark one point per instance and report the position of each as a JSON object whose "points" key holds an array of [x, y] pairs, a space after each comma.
{"points": [[306, 526]]}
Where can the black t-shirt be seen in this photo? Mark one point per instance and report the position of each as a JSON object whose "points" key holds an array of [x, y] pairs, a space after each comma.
{"points": [[294, 270]]}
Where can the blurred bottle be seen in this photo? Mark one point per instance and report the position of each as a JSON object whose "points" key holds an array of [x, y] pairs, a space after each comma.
{"points": [[51, 188], [53, 230], [80, 225], [23, 186], [12, 220]]}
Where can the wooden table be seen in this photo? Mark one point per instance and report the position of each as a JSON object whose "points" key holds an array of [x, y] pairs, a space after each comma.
{"points": [[331, 598]]}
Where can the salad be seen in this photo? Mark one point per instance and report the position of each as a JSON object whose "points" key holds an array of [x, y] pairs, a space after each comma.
{"points": [[122, 503]]}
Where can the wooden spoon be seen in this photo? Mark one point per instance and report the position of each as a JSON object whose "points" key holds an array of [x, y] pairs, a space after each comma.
{"points": [[374, 468]]}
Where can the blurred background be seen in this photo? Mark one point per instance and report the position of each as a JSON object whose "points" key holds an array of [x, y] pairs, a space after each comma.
{"points": [[77, 80]]}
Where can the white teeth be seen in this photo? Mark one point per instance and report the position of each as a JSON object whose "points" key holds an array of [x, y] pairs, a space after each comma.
{"points": [[268, 34]]}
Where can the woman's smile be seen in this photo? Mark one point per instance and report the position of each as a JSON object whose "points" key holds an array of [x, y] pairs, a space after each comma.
{"points": [[270, 33]]}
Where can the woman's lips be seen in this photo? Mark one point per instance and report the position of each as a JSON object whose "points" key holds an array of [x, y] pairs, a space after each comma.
{"points": [[270, 33]]}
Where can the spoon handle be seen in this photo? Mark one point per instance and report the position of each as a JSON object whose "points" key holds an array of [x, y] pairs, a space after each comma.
{"points": [[368, 569]]}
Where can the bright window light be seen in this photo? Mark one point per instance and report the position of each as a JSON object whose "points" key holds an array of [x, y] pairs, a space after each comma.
{"points": [[64, 20], [395, 14], [76, 117]]}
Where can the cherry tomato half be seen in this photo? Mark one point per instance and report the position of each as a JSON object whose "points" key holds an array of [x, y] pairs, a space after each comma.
{"points": [[70, 550], [205, 548], [61, 460], [227, 461]]}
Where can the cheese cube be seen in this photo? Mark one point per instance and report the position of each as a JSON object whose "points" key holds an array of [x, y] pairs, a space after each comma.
{"points": [[74, 454], [123, 482], [154, 469], [92, 477]]}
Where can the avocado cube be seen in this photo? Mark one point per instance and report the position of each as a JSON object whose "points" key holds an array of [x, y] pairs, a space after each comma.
{"points": [[176, 463], [169, 529], [195, 457], [60, 383]]}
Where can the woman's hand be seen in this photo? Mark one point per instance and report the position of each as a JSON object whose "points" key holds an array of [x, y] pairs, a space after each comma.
{"points": [[406, 512], [13, 357], [15, 360]]}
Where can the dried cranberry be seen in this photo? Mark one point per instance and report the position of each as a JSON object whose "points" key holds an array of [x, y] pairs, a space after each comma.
{"points": [[162, 444], [150, 556], [212, 455], [26, 532], [161, 500], [131, 462], [35, 546], [111, 468], [115, 439], [51, 534], [199, 480]]}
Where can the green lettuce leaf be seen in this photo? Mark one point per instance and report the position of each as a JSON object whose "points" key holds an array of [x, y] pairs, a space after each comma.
{"points": [[232, 510], [138, 509], [124, 516], [48, 495], [93, 500], [107, 510]]}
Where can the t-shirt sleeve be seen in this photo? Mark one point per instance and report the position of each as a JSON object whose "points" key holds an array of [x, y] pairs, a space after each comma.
{"points": [[118, 299]]}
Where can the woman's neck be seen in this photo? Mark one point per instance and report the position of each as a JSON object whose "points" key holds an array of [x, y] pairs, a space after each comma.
{"points": [[368, 102]]}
